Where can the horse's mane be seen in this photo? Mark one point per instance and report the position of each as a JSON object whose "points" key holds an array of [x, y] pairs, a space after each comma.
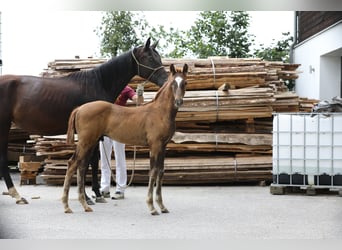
{"points": [[101, 74]]}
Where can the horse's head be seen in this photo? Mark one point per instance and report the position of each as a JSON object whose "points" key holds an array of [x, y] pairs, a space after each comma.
{"points": [[149, 64], [178, 84]]}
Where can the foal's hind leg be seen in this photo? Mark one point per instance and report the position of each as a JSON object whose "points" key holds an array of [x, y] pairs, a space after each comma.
{"points": [[72, 165]]}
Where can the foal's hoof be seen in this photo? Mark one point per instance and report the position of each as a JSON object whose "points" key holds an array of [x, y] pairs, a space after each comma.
{"points": [[22, 201], [100, 200], [154, 212], [88, 209], [90, 202], [68, 211], [165, 211]]}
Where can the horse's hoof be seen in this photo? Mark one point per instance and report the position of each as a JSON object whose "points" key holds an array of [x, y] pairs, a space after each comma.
{"points": [[100, 200], [68, 211], [88, 209], [154, 212], [165, 211], [90, 202], [22, 201]]}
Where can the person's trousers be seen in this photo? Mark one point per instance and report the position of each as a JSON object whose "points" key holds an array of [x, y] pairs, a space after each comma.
{"points": [[106, 147]]}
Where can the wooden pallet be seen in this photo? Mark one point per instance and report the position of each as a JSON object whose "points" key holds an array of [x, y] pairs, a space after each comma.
{"points": [[28, 171], [281, 189]]}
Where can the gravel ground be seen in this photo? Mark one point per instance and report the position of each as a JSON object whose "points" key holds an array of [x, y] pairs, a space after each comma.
{"points": [[196, 212]]}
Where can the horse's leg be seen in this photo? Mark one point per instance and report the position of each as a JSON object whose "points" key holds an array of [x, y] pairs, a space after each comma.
{"points": [[160, 172], [88, 199], [4, 170], [151, 183], [72, 165], [94, 162]]}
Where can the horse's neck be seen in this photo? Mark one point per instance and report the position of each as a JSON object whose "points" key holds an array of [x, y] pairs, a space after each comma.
{"points": [[108, 79], [117, 72]]}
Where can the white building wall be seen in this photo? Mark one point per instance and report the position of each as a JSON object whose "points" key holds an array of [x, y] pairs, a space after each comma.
{"points": [[330, 77], [320, 59]]}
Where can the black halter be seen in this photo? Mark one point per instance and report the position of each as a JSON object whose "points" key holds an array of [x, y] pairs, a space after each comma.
{"points": [[154, 70]]}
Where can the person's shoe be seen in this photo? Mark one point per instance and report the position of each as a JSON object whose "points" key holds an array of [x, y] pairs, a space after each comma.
{"points": [[105, 194], [118, 196]]}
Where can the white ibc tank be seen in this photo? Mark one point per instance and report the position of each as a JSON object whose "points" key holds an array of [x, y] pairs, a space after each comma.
{"points": [[307, 145]]}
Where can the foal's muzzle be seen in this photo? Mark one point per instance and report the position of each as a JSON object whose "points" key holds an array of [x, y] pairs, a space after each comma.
{"points": [[178, 102]]}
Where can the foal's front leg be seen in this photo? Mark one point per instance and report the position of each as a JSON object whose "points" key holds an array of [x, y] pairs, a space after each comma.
{"points": [[152, 181], [159, 198]]}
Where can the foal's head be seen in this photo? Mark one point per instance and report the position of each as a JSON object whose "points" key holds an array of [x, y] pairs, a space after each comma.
{"points": [[178, 83]]}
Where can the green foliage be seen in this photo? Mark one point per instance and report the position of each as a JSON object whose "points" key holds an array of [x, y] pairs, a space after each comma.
{"points": [[118, 32], [277, 51], [239, 38], [170, 41], [216, 33]]}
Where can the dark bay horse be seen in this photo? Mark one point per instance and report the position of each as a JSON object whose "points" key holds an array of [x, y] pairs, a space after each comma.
{"points": [[152, 124], [43, 105]]}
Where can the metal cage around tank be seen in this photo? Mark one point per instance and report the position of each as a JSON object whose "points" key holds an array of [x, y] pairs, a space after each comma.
{"points": [[307, 150]]}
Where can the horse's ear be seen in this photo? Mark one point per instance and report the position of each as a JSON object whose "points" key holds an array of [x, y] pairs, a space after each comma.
{"points": [[185, 69], [172, 69], [147, 44], [154, 45]]}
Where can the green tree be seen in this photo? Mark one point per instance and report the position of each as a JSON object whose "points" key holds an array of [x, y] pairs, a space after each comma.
{"points": [[118, 32], [122, 30], [219, 33], [277, 51], [171, 41], [238, 37]]}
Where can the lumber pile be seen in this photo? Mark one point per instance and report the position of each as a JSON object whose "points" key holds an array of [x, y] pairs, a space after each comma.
{"points": [[224, 128], [18, 145], [63, 67], [181, 170]]}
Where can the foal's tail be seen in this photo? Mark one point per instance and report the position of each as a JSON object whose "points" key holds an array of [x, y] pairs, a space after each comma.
{"points": [[71, 127]]}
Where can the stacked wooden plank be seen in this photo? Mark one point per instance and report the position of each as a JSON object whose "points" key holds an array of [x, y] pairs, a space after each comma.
{"points": [[223, 128], [18, 145], [63, 67]]}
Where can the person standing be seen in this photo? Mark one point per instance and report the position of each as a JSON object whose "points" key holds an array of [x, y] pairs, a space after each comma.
{"points": [[108, 144]]}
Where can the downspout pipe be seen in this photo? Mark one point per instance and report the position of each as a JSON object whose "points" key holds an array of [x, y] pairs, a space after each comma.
{"points": [[295, 36]]}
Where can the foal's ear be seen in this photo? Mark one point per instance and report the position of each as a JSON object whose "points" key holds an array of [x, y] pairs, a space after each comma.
{"points": [[185, 69], [147, 44], [172, 69]]}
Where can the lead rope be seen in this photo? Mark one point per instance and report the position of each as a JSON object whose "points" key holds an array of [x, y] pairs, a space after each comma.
{"points": [[141, 88], [140, 92]]}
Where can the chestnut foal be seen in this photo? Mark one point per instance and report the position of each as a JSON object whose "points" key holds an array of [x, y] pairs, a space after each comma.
{"points": [[152, 125]]}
